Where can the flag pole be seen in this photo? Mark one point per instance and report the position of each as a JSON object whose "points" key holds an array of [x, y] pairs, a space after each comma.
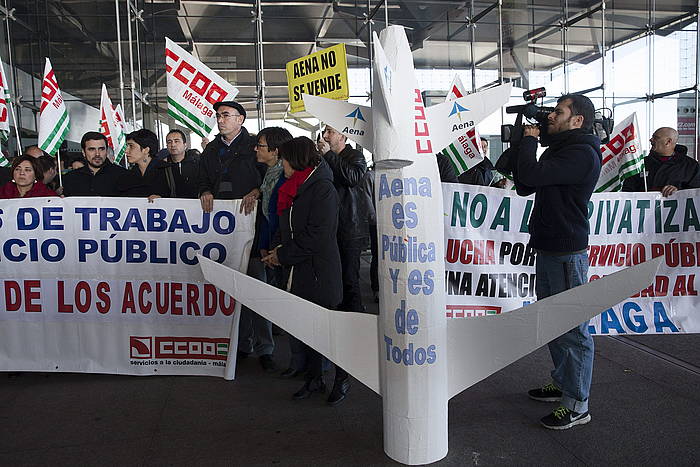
{"points": [[9, 62]]}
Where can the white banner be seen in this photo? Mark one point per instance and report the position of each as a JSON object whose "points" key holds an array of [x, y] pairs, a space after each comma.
{"points": [[106, 285], [4, 111], [54, 123], [193, 89], [490, 269]]}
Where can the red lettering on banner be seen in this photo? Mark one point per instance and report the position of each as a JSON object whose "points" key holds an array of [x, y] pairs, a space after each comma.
{"points": [[195, 83], [176, 298], [215, 94], [178, 73], [192, 297], [226, 310], [128, 298], [63, 307], [105, 302], [205, 348], [83, 288], [30, 295], [13, 296], [170, 54], [421, 130], [162, 297], [209, 300], [145, 306]]}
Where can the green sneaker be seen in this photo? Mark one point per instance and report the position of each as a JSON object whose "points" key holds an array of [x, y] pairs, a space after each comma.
{"points": [[547, 393], [563, 418]]}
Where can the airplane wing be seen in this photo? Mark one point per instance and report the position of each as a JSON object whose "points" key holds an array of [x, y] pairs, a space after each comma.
{"points": [[352, 120], [347, 339], [450, 120], [480, 346]]}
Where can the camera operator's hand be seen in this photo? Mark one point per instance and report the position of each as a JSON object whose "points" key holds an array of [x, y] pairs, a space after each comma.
{"points": [[531, 130]]}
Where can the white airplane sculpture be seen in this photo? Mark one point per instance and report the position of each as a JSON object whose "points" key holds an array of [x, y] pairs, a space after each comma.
{"points": [[411, 354]]}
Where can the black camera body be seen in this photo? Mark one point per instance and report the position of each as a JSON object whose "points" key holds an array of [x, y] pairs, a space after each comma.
{"points": [[514, 133]]}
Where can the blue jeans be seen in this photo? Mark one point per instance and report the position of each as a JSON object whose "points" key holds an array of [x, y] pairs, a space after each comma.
{"points": [[572, 353]]}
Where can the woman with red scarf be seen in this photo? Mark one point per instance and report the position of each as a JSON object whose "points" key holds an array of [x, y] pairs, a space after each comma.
{"points": [[24, 183], [308, 209]]}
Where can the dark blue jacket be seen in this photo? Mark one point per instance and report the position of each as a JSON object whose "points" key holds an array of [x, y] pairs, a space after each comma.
{"points": [[563, 180]]}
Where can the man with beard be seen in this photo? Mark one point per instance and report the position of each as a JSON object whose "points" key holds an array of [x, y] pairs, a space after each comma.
{"points": [[100, 176], [184, 162], [563, 180]]}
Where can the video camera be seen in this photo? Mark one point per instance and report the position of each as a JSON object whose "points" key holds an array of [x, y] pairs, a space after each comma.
{"points": [[514, 133]]}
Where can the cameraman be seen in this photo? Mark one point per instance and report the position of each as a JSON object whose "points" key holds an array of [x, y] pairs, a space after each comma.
{"points": [[563, 180]]}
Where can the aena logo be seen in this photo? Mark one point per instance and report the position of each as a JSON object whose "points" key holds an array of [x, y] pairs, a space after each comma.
{"points": [[458, 109], [356, 115]]}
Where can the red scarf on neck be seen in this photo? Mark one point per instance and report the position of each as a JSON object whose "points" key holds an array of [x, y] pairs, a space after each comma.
{"points": [[288, 190]]}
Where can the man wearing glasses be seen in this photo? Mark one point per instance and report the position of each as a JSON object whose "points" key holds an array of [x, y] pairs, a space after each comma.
{"points": [[228, 169]]}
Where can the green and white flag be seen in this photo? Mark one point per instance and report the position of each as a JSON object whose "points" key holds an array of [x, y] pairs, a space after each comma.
{"points": [[4, 113], [622, 156], [193, 89], [111, 127], [465, 151], [54, 123]]}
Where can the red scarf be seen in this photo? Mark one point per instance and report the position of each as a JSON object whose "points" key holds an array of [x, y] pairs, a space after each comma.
{"points": [[288, 190]]}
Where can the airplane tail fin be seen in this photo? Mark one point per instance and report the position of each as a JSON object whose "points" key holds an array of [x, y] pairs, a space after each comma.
{"points": [[487, 344], [349, 340]]}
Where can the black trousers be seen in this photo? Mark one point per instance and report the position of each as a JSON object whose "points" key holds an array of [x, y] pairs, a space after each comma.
{"points": [[350, 264]]}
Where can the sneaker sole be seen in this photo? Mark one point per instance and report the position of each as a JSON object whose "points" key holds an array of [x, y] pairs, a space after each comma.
{"points": [[545, 399], [580, 421]]}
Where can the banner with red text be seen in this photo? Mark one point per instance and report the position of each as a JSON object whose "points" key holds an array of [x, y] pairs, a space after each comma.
{"points": [[108, 285], [490, 268], [193, 89]]}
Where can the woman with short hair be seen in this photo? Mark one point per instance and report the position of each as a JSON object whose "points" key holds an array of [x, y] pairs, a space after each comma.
{"points": [[24, 183]]}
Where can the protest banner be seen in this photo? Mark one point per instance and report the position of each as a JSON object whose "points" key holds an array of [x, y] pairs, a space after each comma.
{"points": [[622, 156], [323, 73], [111, 126], [54, 123], [4, 112], [490, 268], [104, 285], [193, 89], [465, 152]]}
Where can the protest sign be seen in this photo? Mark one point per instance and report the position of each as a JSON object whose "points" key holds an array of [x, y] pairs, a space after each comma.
{"points": [[54, 123], [106, 285], [323, 73], [490, 268], [193, 89]]}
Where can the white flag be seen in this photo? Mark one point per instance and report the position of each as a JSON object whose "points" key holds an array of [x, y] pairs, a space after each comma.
{"points": [[193, 89], [53, 117], [622, 156], [465, 152], [111, 127]]}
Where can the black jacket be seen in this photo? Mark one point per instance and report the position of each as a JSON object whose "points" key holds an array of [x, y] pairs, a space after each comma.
{"points": [[562, 180], [481, 174], [349, 168], [154, 181], [308, 235], [230, 172], [447, 171], [5, 175], [82, 182], [187, 185], [680, 171]]}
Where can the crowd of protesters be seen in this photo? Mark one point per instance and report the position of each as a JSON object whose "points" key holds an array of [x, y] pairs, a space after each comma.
{"points": [[315, 207]]}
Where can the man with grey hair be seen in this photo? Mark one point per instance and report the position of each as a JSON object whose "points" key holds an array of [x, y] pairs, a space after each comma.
{"points": [[668, 167]]}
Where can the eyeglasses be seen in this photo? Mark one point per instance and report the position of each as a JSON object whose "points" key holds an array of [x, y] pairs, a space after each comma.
{"points": [[258, 145], [226, 115]]}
